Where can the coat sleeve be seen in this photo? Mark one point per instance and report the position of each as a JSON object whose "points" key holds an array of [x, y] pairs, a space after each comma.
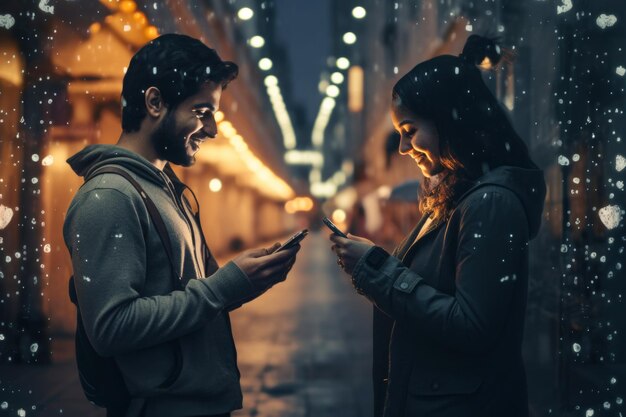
{"points": [[106, 241], [491, 249]]}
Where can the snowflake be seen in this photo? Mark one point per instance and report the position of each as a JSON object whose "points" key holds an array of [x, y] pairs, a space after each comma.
{"points": [[610, 216], [605, 21], [7, 21], [565, 7]]}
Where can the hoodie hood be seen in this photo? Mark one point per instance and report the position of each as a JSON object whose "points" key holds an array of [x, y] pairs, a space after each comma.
{"points": [[93, 157], [529, 186]]}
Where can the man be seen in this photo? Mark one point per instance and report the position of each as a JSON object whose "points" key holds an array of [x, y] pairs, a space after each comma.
{"points": [[174, 347]]}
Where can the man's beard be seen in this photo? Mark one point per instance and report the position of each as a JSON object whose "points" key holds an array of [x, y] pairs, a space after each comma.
{"points": [[170, 143]]}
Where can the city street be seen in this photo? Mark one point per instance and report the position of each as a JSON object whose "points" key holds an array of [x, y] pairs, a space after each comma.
{"points": [[304, 349]]}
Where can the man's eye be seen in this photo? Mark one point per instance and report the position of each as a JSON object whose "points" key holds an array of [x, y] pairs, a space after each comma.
{"points": [[202, 113], [410, 132]]}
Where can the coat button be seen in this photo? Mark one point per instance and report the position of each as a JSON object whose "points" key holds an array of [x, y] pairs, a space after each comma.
{"points": [[434, 386], [404, 285]]}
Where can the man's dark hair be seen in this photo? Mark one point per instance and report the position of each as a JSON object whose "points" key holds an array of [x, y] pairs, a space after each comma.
{"points": [[177, 65]]}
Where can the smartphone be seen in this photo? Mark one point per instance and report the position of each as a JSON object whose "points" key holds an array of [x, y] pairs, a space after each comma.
{"points": [[334, 228], [293, 240]]}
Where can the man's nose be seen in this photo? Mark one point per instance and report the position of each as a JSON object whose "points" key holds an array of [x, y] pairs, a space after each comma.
{"points": [[210, 129]]}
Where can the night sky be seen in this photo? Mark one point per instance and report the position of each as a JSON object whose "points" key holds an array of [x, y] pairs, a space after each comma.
{"points": [[303, 27]]}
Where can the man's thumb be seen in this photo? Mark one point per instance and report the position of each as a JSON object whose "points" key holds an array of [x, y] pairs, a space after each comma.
{"points": [[257, 253], [271, 249]]}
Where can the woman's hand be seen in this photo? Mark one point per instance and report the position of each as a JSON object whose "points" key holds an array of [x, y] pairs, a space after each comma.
{"points": [[350, 250]]}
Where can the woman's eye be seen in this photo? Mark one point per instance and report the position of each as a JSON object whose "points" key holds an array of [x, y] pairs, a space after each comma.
{"points": [[410, 132]]}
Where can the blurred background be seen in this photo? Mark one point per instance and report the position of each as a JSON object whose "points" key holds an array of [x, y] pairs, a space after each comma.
{"points": [[305, 132]]}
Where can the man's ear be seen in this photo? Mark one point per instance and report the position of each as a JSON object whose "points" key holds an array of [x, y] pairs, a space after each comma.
{"points": [[154, 102]]}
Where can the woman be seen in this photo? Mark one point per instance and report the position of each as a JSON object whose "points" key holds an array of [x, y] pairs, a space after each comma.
{"points": [[450, 300]]}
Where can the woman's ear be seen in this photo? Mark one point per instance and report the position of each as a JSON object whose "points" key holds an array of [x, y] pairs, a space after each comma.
{"points": [[154, 102]]}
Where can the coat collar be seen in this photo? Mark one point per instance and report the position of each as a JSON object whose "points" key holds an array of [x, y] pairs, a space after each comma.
{"points": [[411, 241]]}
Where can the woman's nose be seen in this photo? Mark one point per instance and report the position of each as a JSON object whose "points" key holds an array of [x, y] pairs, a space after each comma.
{"points": [[405, 145]]}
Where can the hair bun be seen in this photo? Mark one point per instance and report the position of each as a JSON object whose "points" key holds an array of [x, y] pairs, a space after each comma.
{"points": [[477, 48]]}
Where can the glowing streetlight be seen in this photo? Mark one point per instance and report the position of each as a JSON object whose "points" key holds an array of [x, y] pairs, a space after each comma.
{"points": [[349, 38], [358, 12], [336, 77], [127, 6], [265, 64], [342, 63], [257, 41], [245, 13], [271, 81], [215, 185], [151, 32], [332, 91], [339, 216]]}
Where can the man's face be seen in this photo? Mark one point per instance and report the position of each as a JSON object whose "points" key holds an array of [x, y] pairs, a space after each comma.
{"points": [[179, 135]]}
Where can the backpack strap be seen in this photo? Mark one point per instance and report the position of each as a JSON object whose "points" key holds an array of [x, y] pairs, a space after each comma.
{"points": [[152, 210], [118, 402], [210, 263]]}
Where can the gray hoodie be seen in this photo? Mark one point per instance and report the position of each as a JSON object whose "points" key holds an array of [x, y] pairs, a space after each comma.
{"points": [[174, 347]]}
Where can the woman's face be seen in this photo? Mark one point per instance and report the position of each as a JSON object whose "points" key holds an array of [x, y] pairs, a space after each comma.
{"points": [[418, 139]]}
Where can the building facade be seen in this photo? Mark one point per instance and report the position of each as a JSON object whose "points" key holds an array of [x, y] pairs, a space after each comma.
{"points": [[60, 91]]}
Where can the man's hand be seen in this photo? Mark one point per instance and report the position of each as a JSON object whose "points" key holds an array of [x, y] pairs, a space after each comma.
{"points": [[264, 268], [350, 250]]}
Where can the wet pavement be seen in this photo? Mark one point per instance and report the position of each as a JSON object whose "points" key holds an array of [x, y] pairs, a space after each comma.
{"points": [[304, 349]]}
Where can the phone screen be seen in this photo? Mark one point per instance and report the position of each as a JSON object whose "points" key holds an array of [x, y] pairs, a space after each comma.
{"points": [[334, 228], [293, 240]]}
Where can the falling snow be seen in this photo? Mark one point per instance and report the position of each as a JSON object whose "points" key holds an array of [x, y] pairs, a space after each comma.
{"points": [[605, 21], [6, 213], [7, 21], [581, 179], [620, 163], [610, 216], [47, 161], [45, 7], [565, 7]]}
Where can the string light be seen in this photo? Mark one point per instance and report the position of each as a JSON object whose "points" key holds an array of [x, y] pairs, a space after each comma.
{"points": [[349, 38], [245, 13], [257, 41], [358, 12]]}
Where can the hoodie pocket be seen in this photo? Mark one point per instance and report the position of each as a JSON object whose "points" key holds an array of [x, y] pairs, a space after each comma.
{"points": [[152, 371], [176, 368]]}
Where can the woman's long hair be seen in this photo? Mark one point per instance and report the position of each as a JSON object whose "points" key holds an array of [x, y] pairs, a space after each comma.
{"points": [[475, 134]]}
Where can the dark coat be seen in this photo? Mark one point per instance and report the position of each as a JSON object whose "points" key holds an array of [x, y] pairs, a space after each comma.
{"points": [[449, 316]]}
